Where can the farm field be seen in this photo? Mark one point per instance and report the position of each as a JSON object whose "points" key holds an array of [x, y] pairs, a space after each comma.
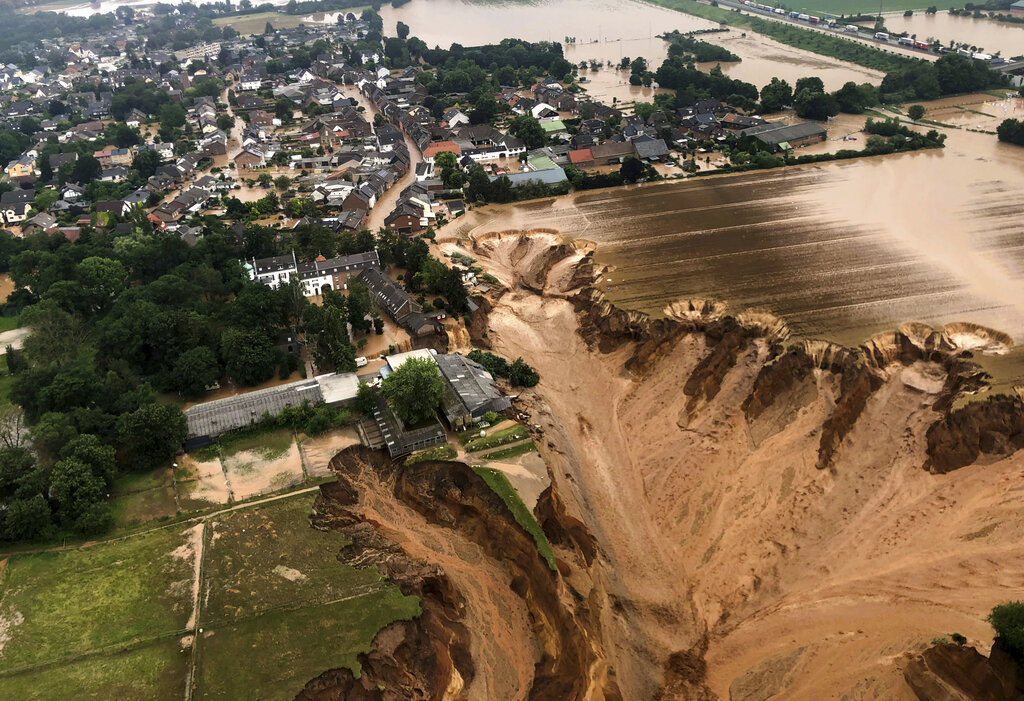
{"points": [[117, 619], [256, 23]]}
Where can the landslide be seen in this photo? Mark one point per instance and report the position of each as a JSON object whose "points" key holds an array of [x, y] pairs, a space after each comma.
{"points": [[496, 621], [765, 519]]}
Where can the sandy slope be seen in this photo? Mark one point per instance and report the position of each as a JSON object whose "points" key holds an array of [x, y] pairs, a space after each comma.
{"points": [[810, 584]]}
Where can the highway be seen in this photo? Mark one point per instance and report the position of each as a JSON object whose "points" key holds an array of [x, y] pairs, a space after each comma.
{"points": [[864, 37]]}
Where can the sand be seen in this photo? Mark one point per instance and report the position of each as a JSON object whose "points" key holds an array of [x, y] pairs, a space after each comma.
{"points": [[318, 451], [254, 472], [815, 582]]}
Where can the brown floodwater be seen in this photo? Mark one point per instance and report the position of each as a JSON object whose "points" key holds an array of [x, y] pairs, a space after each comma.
{"points": [[840, 251], [984, 33], [607, 31]]}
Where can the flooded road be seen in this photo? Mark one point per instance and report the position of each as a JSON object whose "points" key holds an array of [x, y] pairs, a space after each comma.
{"points": [[987, 35]]}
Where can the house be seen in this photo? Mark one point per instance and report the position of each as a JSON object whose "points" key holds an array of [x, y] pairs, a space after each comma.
{"points": [[582, 158], [648, 149], [14, 212], [469, 391], [250, 158], [117, 174], [406, 218], [136, 117], [438, 147], [782, 137], [59, 159], [611, 152], [394, 300], [453, 118], [40, 222], [23, 167], [1017, 8], [738, 122], [315, 276]]}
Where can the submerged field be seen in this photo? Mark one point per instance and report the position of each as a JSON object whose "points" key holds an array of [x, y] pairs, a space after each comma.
{"points": [[116, 620]]}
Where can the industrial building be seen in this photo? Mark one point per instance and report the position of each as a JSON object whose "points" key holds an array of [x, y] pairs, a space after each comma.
{"points": [[783, 137]]}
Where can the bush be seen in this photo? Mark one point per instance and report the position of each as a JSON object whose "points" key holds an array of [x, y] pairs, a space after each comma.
{"points": [[491, 418], [1008, 622]]}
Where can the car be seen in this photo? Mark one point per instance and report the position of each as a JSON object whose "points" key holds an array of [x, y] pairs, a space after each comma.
{"points": [[670, 164], [361, 362]]}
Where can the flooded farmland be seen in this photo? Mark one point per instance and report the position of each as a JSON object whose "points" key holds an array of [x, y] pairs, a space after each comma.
{"points": [[841, 251]]}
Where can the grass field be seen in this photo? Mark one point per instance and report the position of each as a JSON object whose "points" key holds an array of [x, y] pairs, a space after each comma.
{"points": [[269, 556], [107, 621], [279, 652], [441, 452], [497, 481], [72, 602], [154, 671], [256, 23], [8, 323], [865, 7]]}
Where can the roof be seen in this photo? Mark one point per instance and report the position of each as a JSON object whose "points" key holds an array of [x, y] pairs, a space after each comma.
{"points": [[229, 414], [553, 126], [650, 148], [339, 387], [550, 176], [776, 133], [469, 387], [399, 359], [439, 146]]}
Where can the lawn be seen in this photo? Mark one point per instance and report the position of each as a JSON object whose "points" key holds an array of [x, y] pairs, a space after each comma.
{"points": [[864, 7], [66, 603], [512, 452], [441, 452], [497, 481], [474, 442], [8, 323], [278, 653], [6, 381], [154, 671], [268, 557]]}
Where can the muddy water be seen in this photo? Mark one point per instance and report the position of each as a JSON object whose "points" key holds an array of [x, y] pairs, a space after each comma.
{"points": [[984, 33], [841, 251], [607, 31]]}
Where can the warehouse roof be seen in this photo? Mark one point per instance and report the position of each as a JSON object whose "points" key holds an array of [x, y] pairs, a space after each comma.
{"points": [[229, 414], [775, 133]]}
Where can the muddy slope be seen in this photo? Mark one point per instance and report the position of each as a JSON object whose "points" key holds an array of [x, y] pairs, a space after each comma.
{"points": [[760, 515], [496, 622]]}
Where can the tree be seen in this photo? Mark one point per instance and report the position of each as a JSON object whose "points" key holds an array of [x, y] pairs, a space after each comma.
{"points": [[1011, 131], [102, 279], [529, 131], [365, 402], [146, 162], [813, 83], [915, 112], [414, 390], [632, 169], [815, 105], [247, 356], [88, 450], [153, 433], [195, 370], [86, 169], [358, 304], [402, 30], [484, 110], [776, 95], [26, 519], [1008, 622], [172, 116], [12, 426], [283, 182], [522, 375], [74, 489]]}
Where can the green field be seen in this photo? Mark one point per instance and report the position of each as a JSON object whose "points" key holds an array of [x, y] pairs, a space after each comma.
{"points": [[512, 452], [256, 23], [279, 652], [864, 7], [154, 671], [268, 557], [474, 442], [74, 602], [111, 621]]}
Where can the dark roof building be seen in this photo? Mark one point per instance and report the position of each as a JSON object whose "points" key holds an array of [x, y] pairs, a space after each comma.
{"points": [[786, 136], [470, 391]]}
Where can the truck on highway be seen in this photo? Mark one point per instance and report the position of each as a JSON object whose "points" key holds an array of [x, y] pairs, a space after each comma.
{"points": [[905, 41], [794, 15], [813, 20], [852, 28], [881, 36], [803, 17]]}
